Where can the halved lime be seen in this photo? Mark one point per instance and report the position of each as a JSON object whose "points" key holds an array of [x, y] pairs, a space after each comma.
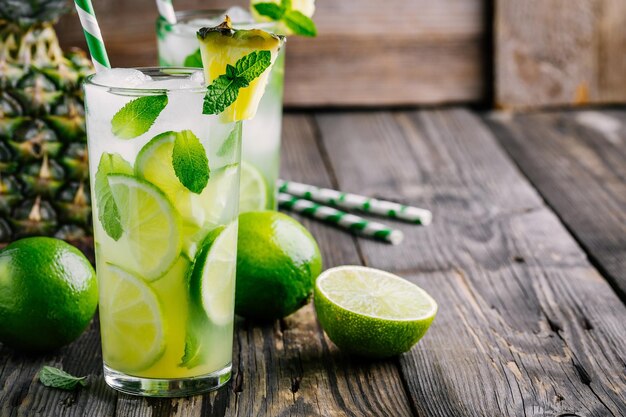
{"points": [[200, 213], [151, 241], [213, 277], [370, 312], [131, 321], [253, 189]]}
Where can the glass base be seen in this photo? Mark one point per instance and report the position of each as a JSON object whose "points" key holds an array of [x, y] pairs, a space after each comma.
{"points": [[152, 387]]}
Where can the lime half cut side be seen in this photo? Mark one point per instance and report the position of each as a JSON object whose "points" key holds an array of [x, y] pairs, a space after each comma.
{"points": [[151, 241], [253, 193], [131, 321], [371, 312], [213, 277]]}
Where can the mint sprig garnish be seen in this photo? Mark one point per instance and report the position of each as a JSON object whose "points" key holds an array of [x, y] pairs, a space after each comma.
{"points": [[300, 23], [224, 90], [137, 116], [56, 378], [190, 162], [108, 213], [194, 60], [296, 21]]}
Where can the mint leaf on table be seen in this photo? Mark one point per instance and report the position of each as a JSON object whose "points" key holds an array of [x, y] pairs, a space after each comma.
{"points": [[224, 90], [190, 161], [299, 23], [56, 378], [271, 10], [108, 214], [194, 60], [137, 116]]}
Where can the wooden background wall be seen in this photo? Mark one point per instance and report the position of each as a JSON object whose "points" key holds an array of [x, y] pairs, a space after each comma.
{"points": [[368, 52], [530, 53], [559, 52]]}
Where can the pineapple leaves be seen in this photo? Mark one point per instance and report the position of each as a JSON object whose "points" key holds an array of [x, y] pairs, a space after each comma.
{"points": [[137, 116]]}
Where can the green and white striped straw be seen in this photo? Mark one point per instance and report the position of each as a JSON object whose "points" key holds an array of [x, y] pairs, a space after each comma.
{"points": [[92, 34], [348, 201], [166, 10], [342, 219]]}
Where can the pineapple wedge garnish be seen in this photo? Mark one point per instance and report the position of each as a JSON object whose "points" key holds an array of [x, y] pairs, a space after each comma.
{"points": [[221, 46]]}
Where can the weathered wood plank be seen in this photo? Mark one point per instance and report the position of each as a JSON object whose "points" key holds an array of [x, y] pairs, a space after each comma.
{"points": [[407, 52], [21, 394], [576, 161], [559, 52], [526, 326], [290, 368]]}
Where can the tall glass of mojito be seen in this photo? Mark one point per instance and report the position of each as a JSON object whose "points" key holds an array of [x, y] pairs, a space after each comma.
{"points": [[178, 46], [165, 183]]}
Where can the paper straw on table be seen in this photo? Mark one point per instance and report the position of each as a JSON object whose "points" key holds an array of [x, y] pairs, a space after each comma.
{"points": [[348, 201], [92, 34], [166, 10], [342, 219]]}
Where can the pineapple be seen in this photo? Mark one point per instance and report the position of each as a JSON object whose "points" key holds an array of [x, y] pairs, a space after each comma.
{"points": [[44, 187]]}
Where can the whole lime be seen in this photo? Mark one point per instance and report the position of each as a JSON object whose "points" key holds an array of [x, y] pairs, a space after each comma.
{"points": [[48, 294], [277, 263]]}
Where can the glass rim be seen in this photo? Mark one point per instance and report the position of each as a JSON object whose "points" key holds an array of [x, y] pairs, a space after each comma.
{"points": [[183, 16], [156, 70]]}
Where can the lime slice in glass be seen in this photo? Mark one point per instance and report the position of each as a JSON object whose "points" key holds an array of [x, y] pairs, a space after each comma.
{"points": [[254, 190], [370, 312], [151, 239], [200, 213], [131, 321], [213, 276]]}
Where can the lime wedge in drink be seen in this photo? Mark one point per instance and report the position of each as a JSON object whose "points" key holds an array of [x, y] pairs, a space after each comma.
{"points": [[200, 213], [151, 238], [370, 312], [253, 194], [222, 47], [131, 319], [212, 281]]}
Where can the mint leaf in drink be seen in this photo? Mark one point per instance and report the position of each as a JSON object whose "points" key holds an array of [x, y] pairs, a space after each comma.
{"points": [[108, 214], [271, 10], [224, 90], [228, 146], [192, 355], [137, 116], [194, 60], [285, 4], [56, 378], [253, 65], [190, 162], [299, 23]]}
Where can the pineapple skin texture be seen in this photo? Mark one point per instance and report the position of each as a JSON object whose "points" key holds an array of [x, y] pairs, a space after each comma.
{"points": [[44, 184]]}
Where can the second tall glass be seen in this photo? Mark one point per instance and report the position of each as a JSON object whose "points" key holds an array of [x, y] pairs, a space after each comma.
{"points": [[178, 46]]}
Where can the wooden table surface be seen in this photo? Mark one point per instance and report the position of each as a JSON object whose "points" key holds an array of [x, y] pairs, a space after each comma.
{"points": [[526, 257]]}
